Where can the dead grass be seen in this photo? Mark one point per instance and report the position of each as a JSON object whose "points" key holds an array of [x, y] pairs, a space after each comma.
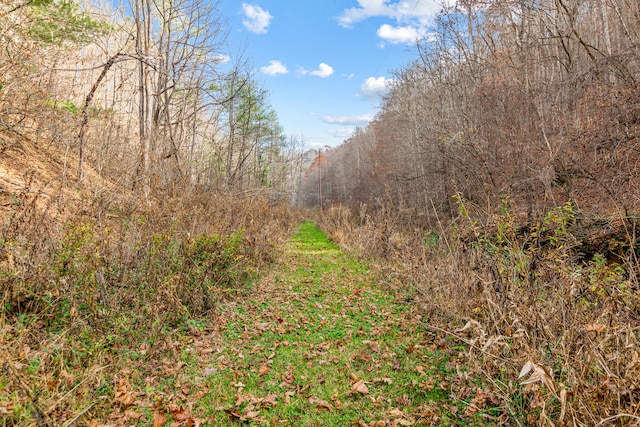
{"points": [[98, 287], [550, 312], [95, 286]]}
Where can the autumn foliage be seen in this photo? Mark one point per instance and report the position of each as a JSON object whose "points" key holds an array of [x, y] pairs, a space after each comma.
{"points": [[507, 98], [500, 183]]}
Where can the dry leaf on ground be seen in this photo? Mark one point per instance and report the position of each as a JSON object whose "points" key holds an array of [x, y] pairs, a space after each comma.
{"points": [[359, 387], [321, 403]]}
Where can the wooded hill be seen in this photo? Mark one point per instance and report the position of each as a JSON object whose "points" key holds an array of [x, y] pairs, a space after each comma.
{"points": [[149, 100], [534, 100], [500, 182]]}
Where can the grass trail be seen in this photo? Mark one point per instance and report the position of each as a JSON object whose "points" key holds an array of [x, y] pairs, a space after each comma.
{"points": [[318, 343]]}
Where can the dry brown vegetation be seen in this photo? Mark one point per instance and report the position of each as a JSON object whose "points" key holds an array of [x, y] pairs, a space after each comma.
{"points": [[116, 243], [108, 289], [497, 190], [534, 100], [499, 184], [551, 324]]}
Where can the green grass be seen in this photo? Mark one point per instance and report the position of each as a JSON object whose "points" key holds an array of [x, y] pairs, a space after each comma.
{"points": [[293, 351], [317, 341]]}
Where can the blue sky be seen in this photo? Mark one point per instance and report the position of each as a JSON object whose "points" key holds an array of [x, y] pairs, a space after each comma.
{"points": [[324, 62]]}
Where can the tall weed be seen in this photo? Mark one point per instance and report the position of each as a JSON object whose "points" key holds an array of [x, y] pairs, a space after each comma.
{"points": [[549, 311], [110, 288]]}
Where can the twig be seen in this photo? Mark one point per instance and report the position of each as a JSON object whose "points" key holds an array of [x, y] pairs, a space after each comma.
{"points": [[18, 7], [615, 417], [74, 419], [468, 343], [444, 235]]}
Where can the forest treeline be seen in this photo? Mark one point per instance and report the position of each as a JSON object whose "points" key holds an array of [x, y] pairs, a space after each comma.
{"points": [[147, 94], [498, 188], [531, 99]]}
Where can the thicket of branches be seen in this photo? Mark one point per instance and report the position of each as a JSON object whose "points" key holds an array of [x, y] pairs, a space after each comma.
{"points": [[149, 99], [535, 99]]}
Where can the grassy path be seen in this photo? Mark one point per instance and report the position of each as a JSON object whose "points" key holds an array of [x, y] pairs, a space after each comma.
{"points": [[319, 344]]}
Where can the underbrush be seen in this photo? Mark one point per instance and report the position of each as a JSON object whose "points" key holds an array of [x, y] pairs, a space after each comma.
{"points": [[104, 298], [549, 313]]}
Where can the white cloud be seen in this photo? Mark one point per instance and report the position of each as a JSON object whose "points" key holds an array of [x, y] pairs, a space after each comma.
{"points": [[314, 144], [374, 87], [396, 35], [274, 68], [360, 120], [324, 70], [401, 11], [256, 18]]}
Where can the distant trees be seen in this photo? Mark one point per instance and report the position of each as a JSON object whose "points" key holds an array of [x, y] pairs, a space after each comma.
{"points": [[537, 100], [254, 138]]}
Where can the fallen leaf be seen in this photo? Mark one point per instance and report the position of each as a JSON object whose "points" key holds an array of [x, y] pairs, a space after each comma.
{"points": [[132, 414], [271, 399], [252, 414], [180, 414], [468, 325], [374, 346], [209, 371], [263, 370], [363, 357], [288, 395], [324, 346], [526, 369], [235, 414], [159, 419], [595, 327], [359, 387], [403, 400], [125, 398], [321, 403], [396, 413], [336, 402], [69, 378], [563, 402], [540, 374]]}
